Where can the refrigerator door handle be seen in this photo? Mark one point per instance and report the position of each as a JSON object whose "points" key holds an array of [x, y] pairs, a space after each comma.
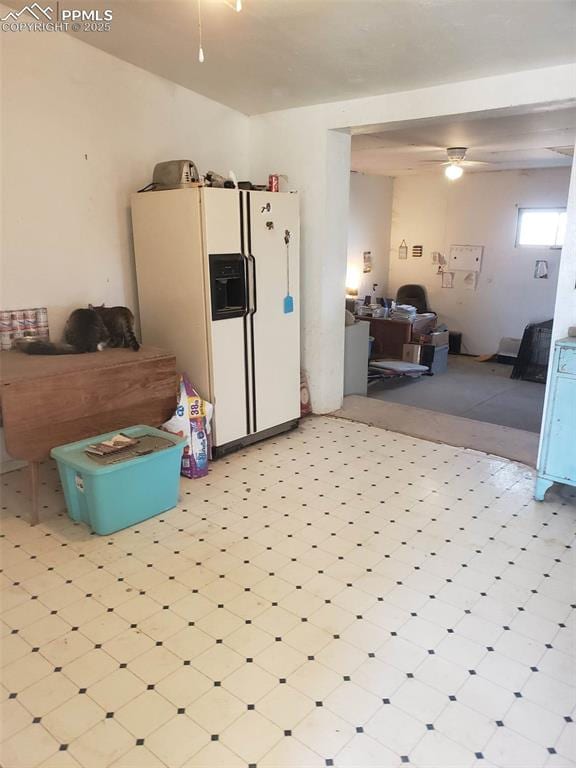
{"points": [[252, 312], [247, 313], [253, 306], [247, 372], [247, 309], [253, 287]]}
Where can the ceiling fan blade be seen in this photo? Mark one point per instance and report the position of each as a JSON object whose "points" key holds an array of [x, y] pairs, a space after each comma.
{"points": [[463, 163]]}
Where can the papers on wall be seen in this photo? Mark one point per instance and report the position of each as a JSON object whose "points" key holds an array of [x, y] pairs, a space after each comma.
{"points": [[367, 261], [447, 279], [438, 258], [541, 269], [465, 257], [470, 281], [403, 250]]}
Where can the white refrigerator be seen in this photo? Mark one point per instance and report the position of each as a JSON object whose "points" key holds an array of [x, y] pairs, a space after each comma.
{"points": [[218, 285]]}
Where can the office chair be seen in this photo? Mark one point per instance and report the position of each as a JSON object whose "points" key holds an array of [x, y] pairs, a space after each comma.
{"points": [[414, 295]]}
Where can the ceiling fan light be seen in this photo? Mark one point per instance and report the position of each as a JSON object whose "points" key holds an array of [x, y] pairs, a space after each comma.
{"points": [[453, 172]]}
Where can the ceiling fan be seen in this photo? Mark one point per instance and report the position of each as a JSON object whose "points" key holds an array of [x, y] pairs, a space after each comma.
{"points": [[456, 162]]}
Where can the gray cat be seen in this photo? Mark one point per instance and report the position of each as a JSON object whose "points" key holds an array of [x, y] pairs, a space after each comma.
{"points": [[90, 330], [119, 322]]}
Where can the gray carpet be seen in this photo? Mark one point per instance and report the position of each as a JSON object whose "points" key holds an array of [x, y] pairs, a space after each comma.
{"points": [[473, 390]]}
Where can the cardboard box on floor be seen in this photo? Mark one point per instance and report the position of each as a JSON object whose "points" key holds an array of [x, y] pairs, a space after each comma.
{"points": [[411, 353], [437, 338]]}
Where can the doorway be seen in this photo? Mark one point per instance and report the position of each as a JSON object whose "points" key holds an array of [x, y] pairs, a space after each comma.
{"points": [[482, 243]]}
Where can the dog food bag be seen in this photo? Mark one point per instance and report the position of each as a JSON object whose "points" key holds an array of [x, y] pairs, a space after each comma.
{"points": [[191, 420]]}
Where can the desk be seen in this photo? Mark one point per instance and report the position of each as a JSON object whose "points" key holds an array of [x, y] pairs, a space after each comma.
{"points": [[391, 335], [53, 400]]}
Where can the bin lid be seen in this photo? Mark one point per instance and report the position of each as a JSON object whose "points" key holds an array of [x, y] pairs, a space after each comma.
{"points": [[150, 441], [145, 445]]}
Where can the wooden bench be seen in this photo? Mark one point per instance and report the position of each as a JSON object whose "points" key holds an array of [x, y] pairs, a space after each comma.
{"points": [[53, 400]]}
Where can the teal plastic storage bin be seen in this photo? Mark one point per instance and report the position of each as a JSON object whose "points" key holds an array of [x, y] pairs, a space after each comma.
{"points": [[109, 497]]}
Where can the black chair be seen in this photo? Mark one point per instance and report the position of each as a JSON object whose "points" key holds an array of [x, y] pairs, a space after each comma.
{"points": [[532, 361], [415, 295]]}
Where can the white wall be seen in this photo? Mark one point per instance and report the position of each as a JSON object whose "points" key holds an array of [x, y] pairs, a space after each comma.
{"points": [[369, 230], [479, 209], [309, 146], [81, 131], [317, 163]]}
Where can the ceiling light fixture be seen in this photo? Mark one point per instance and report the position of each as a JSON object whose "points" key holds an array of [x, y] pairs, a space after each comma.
{"points": [[456, 155], [453, 172], [238, 6]]}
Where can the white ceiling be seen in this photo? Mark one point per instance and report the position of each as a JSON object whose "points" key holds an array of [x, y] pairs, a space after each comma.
{"points": [[501, 141], [285, 53]]}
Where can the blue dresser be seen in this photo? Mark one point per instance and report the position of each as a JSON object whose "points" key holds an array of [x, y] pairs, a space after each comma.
{"points": [[557, 460]]}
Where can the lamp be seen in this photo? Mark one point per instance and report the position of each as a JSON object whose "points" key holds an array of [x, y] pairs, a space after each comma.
{"points": [[352, 281]]}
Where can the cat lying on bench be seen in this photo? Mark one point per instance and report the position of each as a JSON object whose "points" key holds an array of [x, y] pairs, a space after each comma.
{"points": [[89, 330]]}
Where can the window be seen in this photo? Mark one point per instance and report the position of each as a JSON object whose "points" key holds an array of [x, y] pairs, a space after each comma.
{"points": [[541, 226]]}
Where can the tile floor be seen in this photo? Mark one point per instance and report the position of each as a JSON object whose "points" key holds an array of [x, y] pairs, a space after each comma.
{"points": [[341, 596]]}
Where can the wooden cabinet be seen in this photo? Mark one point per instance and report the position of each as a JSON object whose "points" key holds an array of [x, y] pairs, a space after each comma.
{"points": [[557, 460], [48, 401]]}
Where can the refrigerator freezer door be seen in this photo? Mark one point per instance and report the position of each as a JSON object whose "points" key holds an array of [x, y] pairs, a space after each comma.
{"points": [[222, 235], [276, 330]]}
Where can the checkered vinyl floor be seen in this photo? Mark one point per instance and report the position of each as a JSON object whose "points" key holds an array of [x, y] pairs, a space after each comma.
{"points": [[340, 596]]}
